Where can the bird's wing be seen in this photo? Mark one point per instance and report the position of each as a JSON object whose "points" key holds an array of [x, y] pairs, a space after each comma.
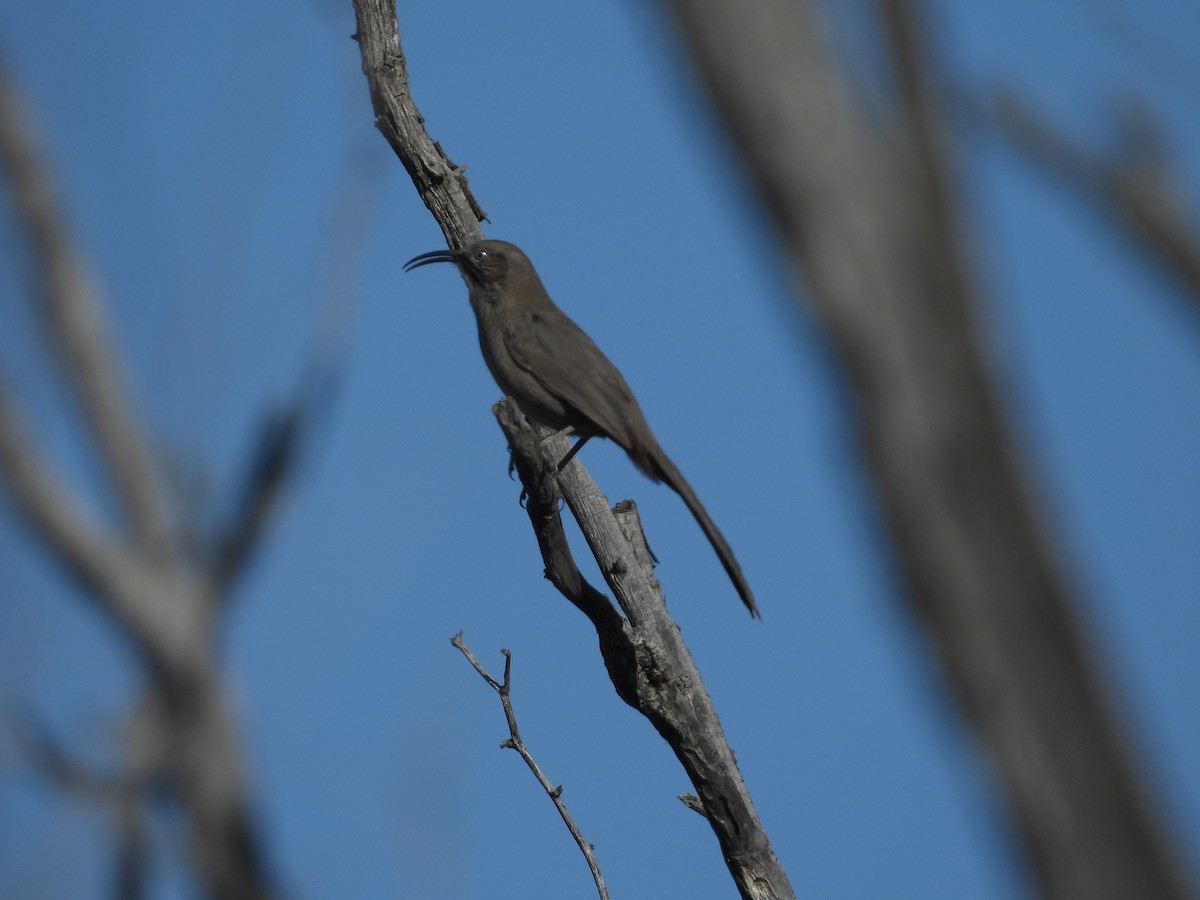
{"points": [[566, 362]]}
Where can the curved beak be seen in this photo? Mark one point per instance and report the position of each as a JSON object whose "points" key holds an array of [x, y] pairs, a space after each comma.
{"points": [[434, 256]]}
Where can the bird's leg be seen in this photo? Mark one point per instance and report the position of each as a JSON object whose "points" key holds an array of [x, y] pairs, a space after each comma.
{"points": [[562, 432], [571, 453], [565, 432]]}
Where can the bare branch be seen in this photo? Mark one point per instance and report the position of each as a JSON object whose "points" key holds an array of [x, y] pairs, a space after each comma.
{"points": [[872, 233], [207, 777], [163, 611], [648, 663], [144, 582], [515, 743], [53, 512], [440, 184], [57, 764], [537, 471], [931, 196], [77, 327]]}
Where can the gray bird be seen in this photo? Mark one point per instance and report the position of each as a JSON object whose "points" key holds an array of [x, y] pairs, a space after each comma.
{"points": [[558, 376]]}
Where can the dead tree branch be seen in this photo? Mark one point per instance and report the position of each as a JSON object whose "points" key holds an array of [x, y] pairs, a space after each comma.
{"points": [[143, 580], [514, 742], [871, 228], [440, 184], [647, 661]]}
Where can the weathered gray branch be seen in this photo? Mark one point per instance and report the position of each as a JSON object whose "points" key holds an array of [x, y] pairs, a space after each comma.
{"points": [[441, 185], [650, 667], [645, 656], [869, 222]]}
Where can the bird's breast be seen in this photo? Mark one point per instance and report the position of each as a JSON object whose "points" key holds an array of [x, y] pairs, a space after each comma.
{"points": [[537, 403]]}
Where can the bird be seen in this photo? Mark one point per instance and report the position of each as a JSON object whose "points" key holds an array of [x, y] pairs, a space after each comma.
{"points": [[559, 378]]}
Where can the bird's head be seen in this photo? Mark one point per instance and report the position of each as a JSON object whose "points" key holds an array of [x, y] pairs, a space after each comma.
{"points": [[486, 264]]}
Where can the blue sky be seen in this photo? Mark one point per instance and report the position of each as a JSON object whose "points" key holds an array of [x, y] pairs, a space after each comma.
{"points": [[220, 168]]}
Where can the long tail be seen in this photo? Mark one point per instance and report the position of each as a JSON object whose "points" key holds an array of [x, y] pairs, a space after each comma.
{"points": [[655, 463]]}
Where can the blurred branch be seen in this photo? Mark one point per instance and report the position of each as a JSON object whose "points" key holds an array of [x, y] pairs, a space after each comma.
{"points": [[1137, 197], [931, 197], [143, 582], [872, 231], [57, 764], [282, 436], [99, 565], [515, 742], [165, 613], [121, 796], [646, 658], [287, 431], [77, 327]]}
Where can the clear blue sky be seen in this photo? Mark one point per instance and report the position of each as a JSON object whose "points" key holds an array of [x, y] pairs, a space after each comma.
{"points": [[221, 170]]}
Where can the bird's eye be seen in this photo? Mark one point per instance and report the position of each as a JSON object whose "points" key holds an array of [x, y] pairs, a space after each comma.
{"points": [[481, 254]]}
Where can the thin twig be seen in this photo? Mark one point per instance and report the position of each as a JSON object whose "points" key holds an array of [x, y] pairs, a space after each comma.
{"points": [[515, 743]]}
